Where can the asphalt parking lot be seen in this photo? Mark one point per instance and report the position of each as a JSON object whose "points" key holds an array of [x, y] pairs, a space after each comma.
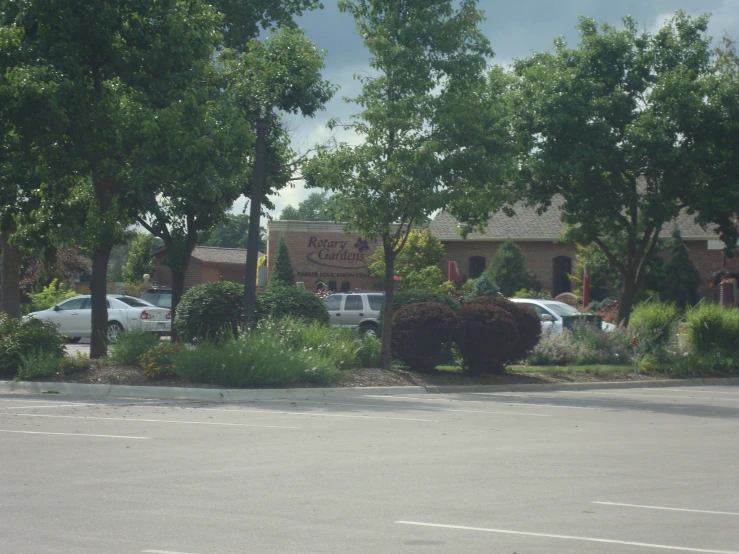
{"points": [[603, 471]]}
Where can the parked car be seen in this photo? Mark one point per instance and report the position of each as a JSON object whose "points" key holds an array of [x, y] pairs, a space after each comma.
{"points": [[73, 316], [159, 296], [356, 309], [557, 316]]}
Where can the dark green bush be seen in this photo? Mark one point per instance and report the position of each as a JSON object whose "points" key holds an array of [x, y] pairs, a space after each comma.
{"points": [[528, 324], [128, 347], [209, 311], [282, 270], [714, 330], [423, 334], [26, 338], [489, 337], [411, 296], [281, 301]]}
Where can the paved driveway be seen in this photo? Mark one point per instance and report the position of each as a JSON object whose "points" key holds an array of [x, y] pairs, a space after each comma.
{"points": [[616, 471]]}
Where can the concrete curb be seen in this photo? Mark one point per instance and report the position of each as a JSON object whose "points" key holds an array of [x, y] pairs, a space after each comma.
{"points": [[246, 395]]}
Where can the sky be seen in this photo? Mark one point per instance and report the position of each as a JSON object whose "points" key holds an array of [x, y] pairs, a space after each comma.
{"points": [[515, 30]]}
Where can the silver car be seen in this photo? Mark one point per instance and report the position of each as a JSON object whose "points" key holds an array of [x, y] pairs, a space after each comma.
{"points": [[553, 313], [73, 317], [356, 309]]}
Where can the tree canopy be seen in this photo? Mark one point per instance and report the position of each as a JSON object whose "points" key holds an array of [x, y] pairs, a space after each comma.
{"points": [[314, 208]]}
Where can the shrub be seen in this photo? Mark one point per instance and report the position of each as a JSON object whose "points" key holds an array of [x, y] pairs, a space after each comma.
{"points": [[207, 311], [38, 364], [490, 334], [429, 278], [74, 364], [128, 346], [281, 301], [27, 337], [655, 325], [411, 296], [49, 296], [423, 334], [583, 344], [682, 277], [484, 286], [528, 324], [508, 271], [714, 330], [282, 270], [533, 293], [159, 361]]}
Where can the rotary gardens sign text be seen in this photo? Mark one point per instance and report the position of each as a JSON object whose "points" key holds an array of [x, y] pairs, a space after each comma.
{"points": [[336, 254]]}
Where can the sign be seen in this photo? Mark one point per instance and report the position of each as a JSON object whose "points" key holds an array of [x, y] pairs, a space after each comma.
{"points": [[337, 254]]}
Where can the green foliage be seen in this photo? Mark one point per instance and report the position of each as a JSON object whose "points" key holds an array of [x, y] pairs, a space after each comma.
{"points": [[424, 334], [140, 261], [74, 364], [655, 325], [314, 208], [682, 279], [604, 277], [533, 293], [430, 278], [583, 344], [421, 251], [50, 296], [282, 269], [233, 232], [528, 324], [508, 271], [713, 330], [129, 346], [468, 288], [30, 337], [38, 364], [411, 296], [484, 286], [159, 361], [281, 301], [490, 334], [208, 311]]}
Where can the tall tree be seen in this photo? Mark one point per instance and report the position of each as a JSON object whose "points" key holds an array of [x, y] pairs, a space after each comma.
{"points": [[682, 279], [233, 232], [313, 208], [599, 129], [140, 261], [429, 126]]}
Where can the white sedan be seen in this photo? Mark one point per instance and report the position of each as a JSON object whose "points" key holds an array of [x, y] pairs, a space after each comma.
{"points": [[552, 314], [73, 317]]}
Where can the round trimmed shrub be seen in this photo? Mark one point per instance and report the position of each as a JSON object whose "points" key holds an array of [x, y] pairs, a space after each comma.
{"points": [[209, 311], [423, 334], [25, 338], [280, 301], [527, 324], [489, 339], [411, 296]]}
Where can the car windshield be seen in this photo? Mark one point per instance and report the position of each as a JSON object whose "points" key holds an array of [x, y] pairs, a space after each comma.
{"points": [[560, 308], [134, 302]]}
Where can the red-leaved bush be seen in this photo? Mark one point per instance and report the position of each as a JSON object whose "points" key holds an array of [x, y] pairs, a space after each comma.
{"points": [[423, 333], [490, 336]]}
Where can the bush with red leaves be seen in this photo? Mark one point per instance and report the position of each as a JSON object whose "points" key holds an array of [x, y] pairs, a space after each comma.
{"points": [[527, 324], [423, 333], [66, 265], [489, 337]]}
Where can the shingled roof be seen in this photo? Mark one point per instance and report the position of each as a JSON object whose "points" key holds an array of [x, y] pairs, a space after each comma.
{"points": [[527, 225], [217, 255]]}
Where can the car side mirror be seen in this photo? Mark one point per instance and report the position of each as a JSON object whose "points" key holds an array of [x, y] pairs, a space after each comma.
{"points": [[57, 308], [547, 317]]}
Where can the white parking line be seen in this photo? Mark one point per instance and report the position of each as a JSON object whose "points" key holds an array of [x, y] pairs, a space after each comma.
{"points": [[74, 434], [488, 403], [272, 412], [653, 395], [158, 421], [570, 537], [164, 552], [706, 391], [669, 509]]}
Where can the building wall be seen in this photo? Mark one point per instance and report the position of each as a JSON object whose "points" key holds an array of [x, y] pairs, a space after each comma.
{"points": [[163, 275], [322, 251], [708, 260]]}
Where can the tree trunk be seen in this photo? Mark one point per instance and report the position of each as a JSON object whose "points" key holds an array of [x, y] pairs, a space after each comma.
{"points": [[387, 313], [628, 292], [178, 287], [99, 305], [10, 276]]}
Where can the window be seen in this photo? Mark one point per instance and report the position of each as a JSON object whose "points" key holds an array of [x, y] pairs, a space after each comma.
{"points": [[333, 303], [73, 304], [538, 309], [560, 308], [476, 267], [133, 302], [561, 275], [375, 301], [353, 302]]}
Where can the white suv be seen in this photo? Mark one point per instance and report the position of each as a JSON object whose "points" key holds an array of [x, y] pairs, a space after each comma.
{"points": [[356, 309]]}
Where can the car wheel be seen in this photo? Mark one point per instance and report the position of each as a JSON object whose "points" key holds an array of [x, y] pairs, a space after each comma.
{"points": [[114, 329], [74, 340], [370, 330]]}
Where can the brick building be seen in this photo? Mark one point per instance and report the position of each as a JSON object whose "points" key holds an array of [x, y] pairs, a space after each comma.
{"points": [[207, 264]]}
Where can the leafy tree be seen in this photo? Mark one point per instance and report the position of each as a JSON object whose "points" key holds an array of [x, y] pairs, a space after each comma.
{"points": [[313, 208], [508, 271], [682, 279], [599, 128], [282, 270], [65, 265], [428, 120], [422, 249], [140, 261], [233, 232]]}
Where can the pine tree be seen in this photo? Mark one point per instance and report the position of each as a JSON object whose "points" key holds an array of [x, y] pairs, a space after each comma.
{"points": [[683, 279], [282, 270], [508, 271]]}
